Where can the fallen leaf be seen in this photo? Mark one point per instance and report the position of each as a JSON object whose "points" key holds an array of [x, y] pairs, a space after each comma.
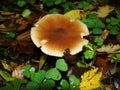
{"points": [[102, 62], [6, 76], [23, 43], [109, 48], [104, 11], [22, 23], [7, 13], [42, 61], [105, 34], [9, 66], [75, 14], [91, 79], [6, 66], [18, 72], [2, 26]]}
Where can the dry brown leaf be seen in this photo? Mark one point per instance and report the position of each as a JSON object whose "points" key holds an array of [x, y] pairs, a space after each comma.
{"points": [[23, 43], [104, 34], [104, 11], [22, 23], [102, 62], [110, 48], [17, 73]]}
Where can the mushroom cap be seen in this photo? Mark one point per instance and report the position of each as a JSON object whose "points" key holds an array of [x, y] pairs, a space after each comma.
{"points": [[54, 33]]}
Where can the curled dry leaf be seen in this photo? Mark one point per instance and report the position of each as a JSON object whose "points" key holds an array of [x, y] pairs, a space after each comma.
{"points": [[110, 48], [17, 73], [104, 11], [104, 34]]}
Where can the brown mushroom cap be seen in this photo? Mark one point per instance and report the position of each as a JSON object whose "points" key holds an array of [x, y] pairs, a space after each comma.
{"points": [[55, 33]]}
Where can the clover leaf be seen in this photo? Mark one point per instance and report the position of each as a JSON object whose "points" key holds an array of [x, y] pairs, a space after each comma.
{"points": [[53, 74], [84, 5], [61, 65], [94, 23], [38, 76], [97, 31], [26, 71], [48, 85], [99, 41], [74, 82], [32, 86], [88, 54], [64, 84]]}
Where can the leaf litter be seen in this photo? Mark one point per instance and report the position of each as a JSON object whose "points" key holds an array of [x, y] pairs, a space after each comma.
{"points": [[19, 49]]}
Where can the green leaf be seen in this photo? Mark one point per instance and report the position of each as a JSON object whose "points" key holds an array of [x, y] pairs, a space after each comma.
{"points": [[61, 65], [81, 64], [84, 5], [21, 3], [58, 2], [89, 22], [5, 9], [117, 56], [64, 84], [99, 41], [9, 35], [48, 85], [89, 54], [54, 11], [26, 71], [99, 23], [32, 86], [112, 21], [38, 76], [7, 87], [6, 76], [68, 6], [32, 70], [48, 2], [42, 61], [114, 31], [53, 74], [97, 31], [18, 82], [74, 82], [26, 13]]}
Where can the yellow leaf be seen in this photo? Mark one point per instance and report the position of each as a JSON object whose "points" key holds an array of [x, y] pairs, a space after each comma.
{"points": [[91, 79], [6, 65], [104, 11], [2, 26], [75, 14]]}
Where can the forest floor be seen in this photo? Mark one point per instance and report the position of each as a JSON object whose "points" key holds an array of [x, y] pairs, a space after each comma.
{"points": [[98, 61]]}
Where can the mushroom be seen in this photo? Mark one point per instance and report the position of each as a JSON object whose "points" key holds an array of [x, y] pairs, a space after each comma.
{"points": [[54, 33]]}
